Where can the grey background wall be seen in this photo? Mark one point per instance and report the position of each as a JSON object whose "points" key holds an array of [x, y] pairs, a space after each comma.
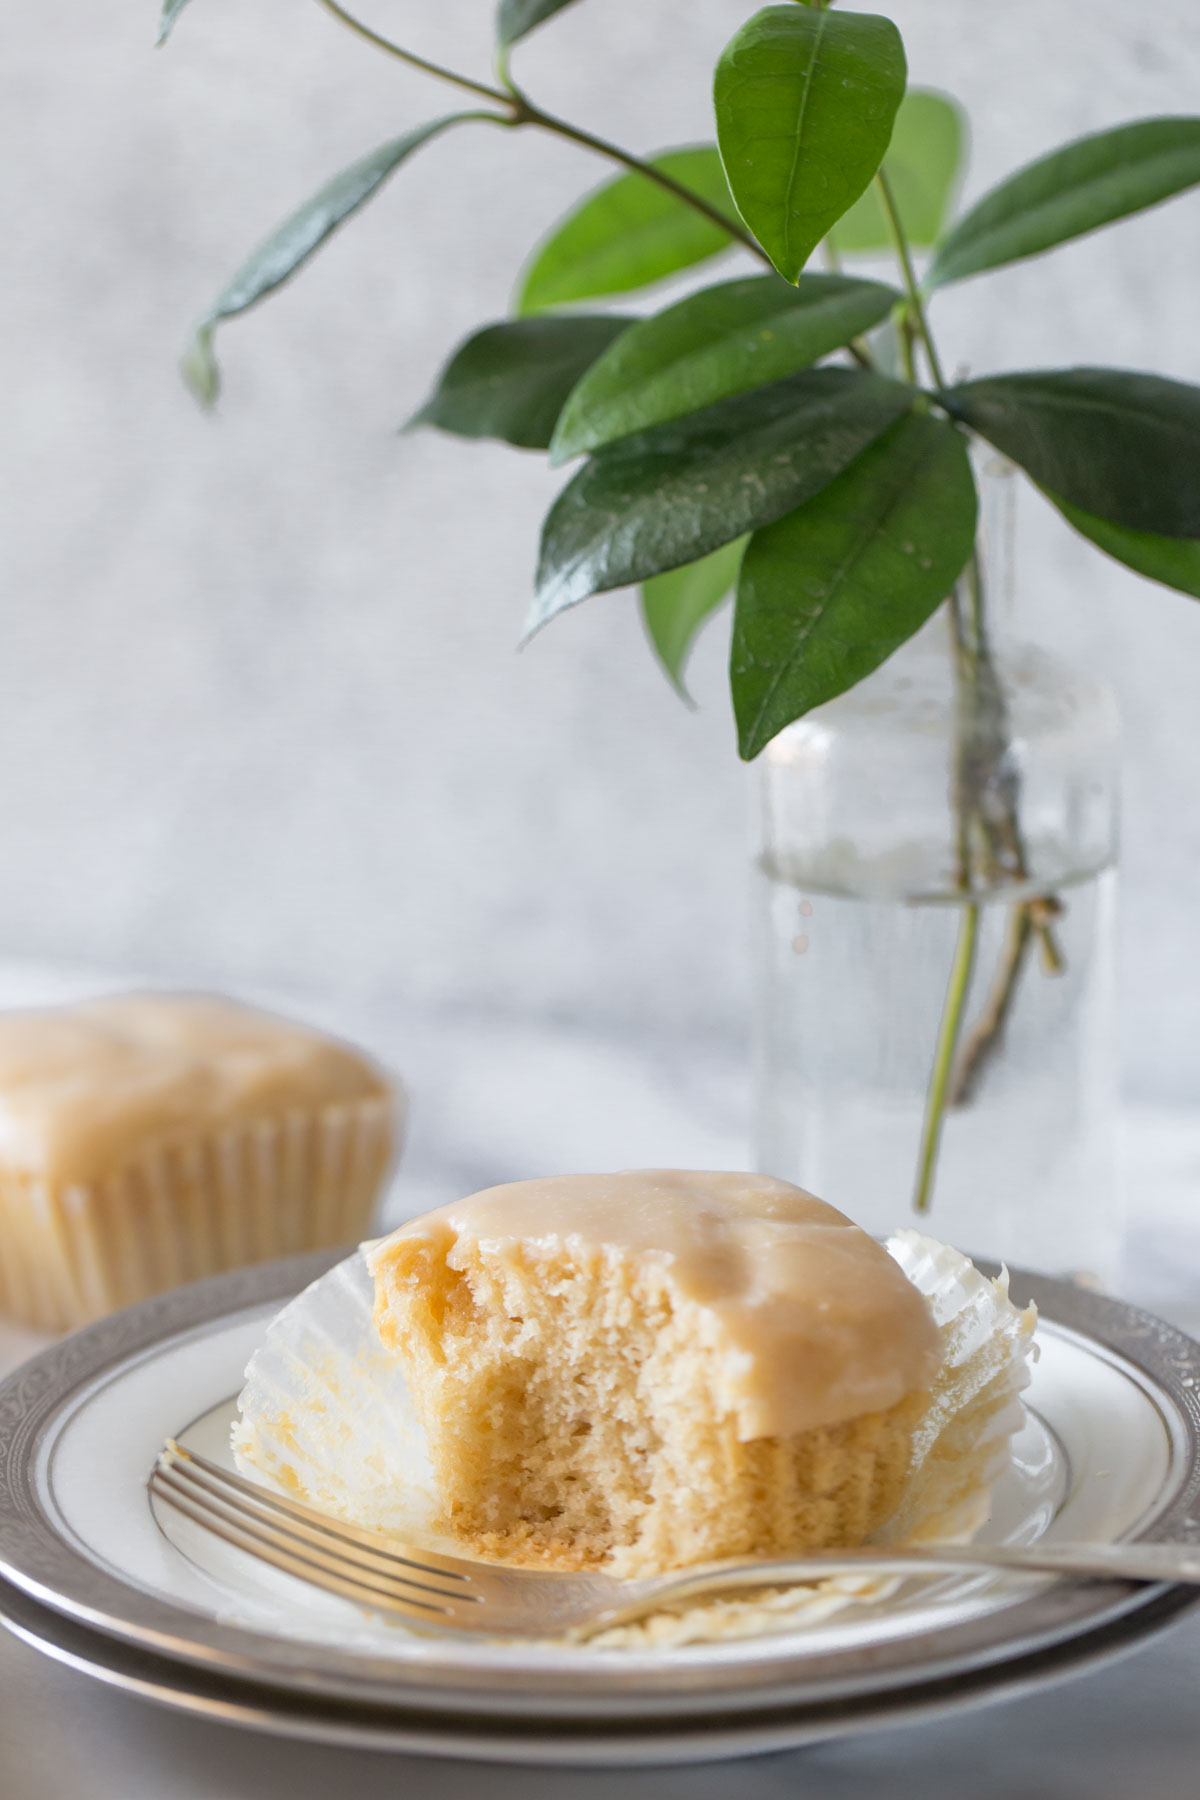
{"points": [[260, 713]]}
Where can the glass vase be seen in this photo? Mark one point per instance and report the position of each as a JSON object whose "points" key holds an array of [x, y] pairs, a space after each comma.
{"points": [[876, 907]]}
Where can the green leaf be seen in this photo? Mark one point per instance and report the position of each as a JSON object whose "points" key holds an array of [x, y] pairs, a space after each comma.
{"points": [[629, 234], [198, 366], [1074, 190], [1119, 444], [510, 380], [171, 10], [675, 605], [291, 245], [1173, 561], [805, 106], [515, 19], [721, 341], [827, 593], [924, 163], [671, 495]]}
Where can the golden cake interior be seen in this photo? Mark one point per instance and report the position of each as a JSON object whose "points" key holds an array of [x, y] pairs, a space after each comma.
{"points": [[591, 1402]]}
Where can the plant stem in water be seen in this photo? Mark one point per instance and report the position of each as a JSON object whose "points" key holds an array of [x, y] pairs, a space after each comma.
{"points": [[987, 796], [988, 836], [987, 1034], [943, 1057]]}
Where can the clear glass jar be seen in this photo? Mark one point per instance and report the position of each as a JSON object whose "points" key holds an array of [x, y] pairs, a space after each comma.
{"points": [[861, 907]]}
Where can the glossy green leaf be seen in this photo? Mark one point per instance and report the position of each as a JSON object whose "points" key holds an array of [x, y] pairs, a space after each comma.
{"points": [[515, 19], [171, 10], [1089, 183], [826, 594], [629, 234], [1119, 444], [924, 164], [291, 245], [671, 495], [805, 107], [510, 380], [1173, 561], [721, 341], [675, 605]]}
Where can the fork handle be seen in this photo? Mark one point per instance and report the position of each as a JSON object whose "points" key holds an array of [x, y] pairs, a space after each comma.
{"points": [[1130, 1562]]}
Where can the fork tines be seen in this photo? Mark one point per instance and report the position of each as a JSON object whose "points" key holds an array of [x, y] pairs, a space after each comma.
{"points": [[359, 1565]]}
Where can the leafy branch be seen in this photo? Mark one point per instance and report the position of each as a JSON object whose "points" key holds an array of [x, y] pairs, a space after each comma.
{"points": [[288, 248], [722, 449]]}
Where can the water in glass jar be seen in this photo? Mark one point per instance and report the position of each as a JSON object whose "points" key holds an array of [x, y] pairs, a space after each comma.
{"points": [[852, 991]]}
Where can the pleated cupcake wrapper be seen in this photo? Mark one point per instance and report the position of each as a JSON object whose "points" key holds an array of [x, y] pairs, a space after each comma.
{"points": [[326, 1415], [267, 1188], [324, 1401]]}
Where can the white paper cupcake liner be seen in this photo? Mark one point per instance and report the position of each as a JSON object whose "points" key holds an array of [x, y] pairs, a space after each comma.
{"points": [[267, 1188], [326, 1414], [323, 1398]]}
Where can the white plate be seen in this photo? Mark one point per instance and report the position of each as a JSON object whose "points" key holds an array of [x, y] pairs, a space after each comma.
{"points": [[1110, 1451]]}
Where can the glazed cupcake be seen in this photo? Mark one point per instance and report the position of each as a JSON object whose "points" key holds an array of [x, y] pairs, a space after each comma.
{"points": [[658, 1367], [151, 1139], [639, 1372]]}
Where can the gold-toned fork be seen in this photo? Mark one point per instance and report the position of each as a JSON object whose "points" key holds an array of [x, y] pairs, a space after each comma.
{"points": [[450, 1593]]}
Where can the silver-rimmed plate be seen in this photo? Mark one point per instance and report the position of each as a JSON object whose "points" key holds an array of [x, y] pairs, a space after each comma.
{"points": [[1111, 1451], [568, 1743]]}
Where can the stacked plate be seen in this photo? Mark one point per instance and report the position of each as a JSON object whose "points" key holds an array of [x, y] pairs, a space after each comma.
{"points": [[1110, 1450]]}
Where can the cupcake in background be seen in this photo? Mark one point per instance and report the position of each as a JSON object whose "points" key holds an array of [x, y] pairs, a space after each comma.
{"points": [[150, 1139]]}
